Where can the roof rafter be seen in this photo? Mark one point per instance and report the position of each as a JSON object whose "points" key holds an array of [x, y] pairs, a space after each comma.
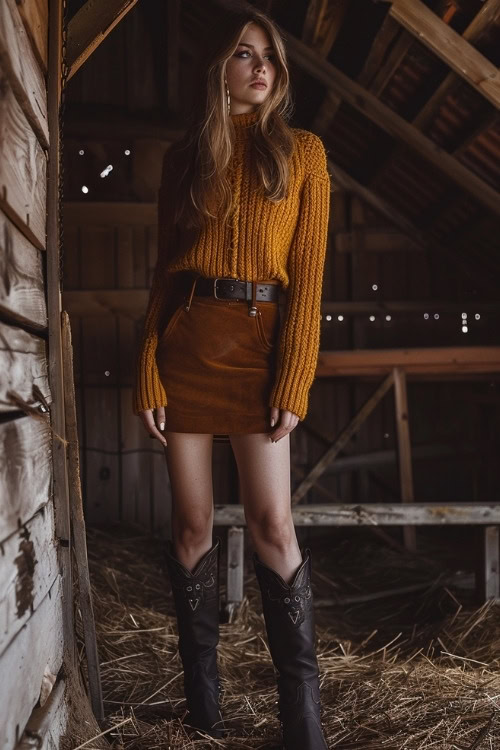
{"points": [[487, 15], [344, 180], [450, 46], [379, 113], [90, 26]]}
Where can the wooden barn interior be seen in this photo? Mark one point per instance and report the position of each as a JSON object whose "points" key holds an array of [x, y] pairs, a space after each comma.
{"points": [[395, 470]]}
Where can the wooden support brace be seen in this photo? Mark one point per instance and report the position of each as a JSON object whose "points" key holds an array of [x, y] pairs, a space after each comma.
{"points": [[342, 440]]}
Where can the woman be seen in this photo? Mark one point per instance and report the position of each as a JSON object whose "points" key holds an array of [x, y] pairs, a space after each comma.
{"points": [[243, 214]]}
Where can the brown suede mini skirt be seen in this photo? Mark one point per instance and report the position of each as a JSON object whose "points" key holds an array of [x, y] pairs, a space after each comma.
{"points": [[217, 364]]}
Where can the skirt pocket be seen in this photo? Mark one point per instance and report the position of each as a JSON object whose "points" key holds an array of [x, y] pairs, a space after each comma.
{"points": [[267, 323]]}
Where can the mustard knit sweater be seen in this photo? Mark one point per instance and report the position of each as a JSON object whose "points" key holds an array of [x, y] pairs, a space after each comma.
{"points": [[285, 241]]}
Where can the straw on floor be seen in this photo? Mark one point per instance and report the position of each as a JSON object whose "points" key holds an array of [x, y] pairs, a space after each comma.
{"points": [[406, 657]]}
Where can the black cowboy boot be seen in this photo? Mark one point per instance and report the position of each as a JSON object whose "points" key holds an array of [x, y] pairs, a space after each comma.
{"points": [[196, 597], [288, 612]]}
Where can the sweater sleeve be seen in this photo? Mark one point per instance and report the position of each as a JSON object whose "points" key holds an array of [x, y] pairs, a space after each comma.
{"points": [[148, 392], [300, 331]]}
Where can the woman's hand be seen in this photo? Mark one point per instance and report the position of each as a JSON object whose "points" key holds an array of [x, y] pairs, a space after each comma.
{"points": [[155, 429], [284, 424]]}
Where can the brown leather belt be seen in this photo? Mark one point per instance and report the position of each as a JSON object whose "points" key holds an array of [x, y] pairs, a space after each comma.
{"points": [[228, 288]]}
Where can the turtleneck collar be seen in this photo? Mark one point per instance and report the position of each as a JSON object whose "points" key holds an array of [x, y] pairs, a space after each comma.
{"points": [[243, 123]]}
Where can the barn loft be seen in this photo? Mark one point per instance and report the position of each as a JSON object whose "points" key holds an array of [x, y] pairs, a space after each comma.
{"points": [[395, 472]]}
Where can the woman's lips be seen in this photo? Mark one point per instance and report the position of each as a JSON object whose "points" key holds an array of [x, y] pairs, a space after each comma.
{"points": [[258, 85]]}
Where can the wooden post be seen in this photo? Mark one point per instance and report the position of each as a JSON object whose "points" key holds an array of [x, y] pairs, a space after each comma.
{"points": [[61, 492], [404, 450], [235, 547], [78, 527], [491, 563]]}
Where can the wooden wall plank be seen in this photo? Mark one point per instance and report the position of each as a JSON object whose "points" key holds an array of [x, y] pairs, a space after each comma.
{"points": [[37, 649], [22, 293], [28, 568], [23, 70], [97, 263], [25, 471], [22, 167], [23, 362], [47, 724], [137, 482], [35, 14], [102, 466]]}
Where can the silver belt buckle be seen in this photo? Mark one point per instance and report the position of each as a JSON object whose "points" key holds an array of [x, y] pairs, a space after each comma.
{"points": [[221, 278]]}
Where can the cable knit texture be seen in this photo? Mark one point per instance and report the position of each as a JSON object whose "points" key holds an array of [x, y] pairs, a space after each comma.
{"points": [[263, 240]]}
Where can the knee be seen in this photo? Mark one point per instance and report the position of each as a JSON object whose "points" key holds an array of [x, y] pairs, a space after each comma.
{"points": [[190, 530], [273, 529]]}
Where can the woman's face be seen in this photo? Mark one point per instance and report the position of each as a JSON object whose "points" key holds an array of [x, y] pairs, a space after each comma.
{"points": [[253, 59]]}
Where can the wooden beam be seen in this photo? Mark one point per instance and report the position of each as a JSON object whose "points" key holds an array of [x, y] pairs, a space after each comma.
{"points": [[391, 122], [90, 122], [348, 183], [358, 307], [372, 108], [377, 514], [487, 16], [449, 46], [128, 302], [342, 440], [397, 42], [378, 53], [90, 26], [132, 303], [452, 360], [322, 24], [109, 213]]}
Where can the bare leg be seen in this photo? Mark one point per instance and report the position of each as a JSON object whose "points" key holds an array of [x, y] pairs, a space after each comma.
{"points": [[264, 471], [189, 461]]}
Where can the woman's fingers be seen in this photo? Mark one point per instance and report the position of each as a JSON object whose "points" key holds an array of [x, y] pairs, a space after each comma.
{"points": [[149, 423], [287, 422], [275, 415], [160, 418]]}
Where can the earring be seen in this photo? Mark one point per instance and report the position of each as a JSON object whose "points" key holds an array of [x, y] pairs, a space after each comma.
{"points": [[227, 96]]}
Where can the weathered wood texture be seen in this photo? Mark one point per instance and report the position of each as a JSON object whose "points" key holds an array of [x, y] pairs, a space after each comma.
{"points": [[78, 525], [25, 471], [449, 45], [32, 660], [23, 360], [467, 360], [48, 723], [22, 167], [28, 568], [22, 296], [20, 65], [379, 514], [35, 14]]}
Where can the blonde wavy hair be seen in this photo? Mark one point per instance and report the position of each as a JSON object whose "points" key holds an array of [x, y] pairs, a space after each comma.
{"points": [[204, 189]]}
